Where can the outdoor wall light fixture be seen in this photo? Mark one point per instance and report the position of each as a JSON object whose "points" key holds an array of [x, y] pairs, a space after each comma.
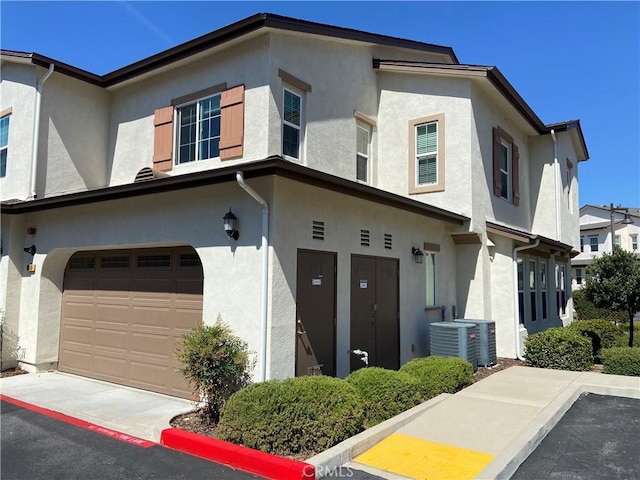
{"points": [[231, 225], [418, 256], [30, 250]]}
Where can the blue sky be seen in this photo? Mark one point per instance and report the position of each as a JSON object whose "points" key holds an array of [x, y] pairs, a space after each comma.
{"points": [[567, 59]]}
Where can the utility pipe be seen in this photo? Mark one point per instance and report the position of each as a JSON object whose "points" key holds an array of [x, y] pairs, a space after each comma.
{"points": [[262, 371], [36, 131], [556, 168], [515, 295]]}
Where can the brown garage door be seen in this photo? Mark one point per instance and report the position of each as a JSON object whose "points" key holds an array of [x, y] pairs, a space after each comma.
{"points": [[123, 312]]}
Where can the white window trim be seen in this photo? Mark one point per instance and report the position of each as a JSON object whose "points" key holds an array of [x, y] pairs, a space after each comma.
{"points": [[366, 156], [508, 172], [176, 133], [300, 127], [597, 243], [433, 255], [634, 242]]}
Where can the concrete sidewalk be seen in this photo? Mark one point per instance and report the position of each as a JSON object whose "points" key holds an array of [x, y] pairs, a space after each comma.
{"points": [[128, 410], [484, 431]]}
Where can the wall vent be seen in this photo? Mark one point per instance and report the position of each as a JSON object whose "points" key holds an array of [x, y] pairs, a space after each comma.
{"points": [[364, 238], [145, 174], [453, 339], [317, 230], [388, 241], [486, 340]]}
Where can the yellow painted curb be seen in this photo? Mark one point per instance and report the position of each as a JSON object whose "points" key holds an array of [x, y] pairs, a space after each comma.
{"points": [[424, 460]]}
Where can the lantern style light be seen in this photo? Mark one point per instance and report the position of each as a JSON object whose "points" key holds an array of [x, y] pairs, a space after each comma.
{"points": [[231, 225]]}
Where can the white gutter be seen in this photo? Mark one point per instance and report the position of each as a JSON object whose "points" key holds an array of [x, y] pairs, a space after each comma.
{"points": [[36, 131], [262, 372], [556, 168], [515, 295]]}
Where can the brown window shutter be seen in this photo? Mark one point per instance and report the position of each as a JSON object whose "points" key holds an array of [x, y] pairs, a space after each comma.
{"points": [[231, 122], [163, 139], [497, 179], [515, 180]]}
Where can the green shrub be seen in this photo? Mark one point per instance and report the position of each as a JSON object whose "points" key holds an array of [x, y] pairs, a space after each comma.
{"points": [[603, 333], [215, 363], [438, 375], [560, 349], [384, 393], [303, 415], [586, 310], [621, 361], [622, 340]]}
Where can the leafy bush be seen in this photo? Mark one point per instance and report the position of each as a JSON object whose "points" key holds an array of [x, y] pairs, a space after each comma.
{"points": [[603, 333], [586, 310], [384, 393], [560, 349], [437, 375], [622, 361], [303, 415], [215, 363]]}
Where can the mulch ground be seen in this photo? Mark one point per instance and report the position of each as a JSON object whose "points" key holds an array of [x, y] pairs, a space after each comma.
{"points": [[12, 372], [196, 423]]}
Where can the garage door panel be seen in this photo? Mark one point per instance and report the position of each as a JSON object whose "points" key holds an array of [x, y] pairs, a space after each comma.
{"points": [[151, 344], [79, 334], [113, 339], [124, 325]]}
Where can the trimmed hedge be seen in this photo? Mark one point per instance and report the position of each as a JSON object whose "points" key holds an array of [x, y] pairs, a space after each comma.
{"points": [[384, 393], [586, 310], [437, 375], [559, 349], [621, 361], [303, 415], [603, 333]]}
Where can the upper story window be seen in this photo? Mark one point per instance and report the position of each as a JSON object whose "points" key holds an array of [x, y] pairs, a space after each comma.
{"points": [[426, 172], [363, 144], [198, 130], [593, 243], [616, 240], [506, 157], [198, 126], [4, 143], [634, 242], [581, 244], [291, 124]]}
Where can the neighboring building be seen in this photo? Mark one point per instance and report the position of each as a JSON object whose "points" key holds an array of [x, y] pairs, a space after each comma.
{"points": [[344, 155], [595, 237]]}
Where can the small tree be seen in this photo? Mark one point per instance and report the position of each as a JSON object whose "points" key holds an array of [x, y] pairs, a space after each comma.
{"points": [[613, 281], [216, 363]]}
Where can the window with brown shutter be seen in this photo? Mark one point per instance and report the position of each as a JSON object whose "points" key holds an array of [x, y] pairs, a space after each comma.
{"points": [[163, 139], [506, 171], [232, 123]]}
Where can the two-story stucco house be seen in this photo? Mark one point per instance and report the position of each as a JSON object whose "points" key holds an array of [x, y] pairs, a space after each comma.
{"points": [[378, 184], [596, 237]]}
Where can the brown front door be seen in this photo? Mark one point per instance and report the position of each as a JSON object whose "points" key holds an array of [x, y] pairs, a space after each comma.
{"points": [[374, 311], [316, 313]]}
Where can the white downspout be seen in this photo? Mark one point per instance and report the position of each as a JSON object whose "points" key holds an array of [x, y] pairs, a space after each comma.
{"points": [[36, 131], [515, 295], [556, 168], [262, 371]]}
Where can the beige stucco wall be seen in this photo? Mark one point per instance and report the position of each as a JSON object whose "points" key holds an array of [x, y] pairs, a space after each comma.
{"points": [[17, 90], [133, 106], [74, 127], [344, 217]]}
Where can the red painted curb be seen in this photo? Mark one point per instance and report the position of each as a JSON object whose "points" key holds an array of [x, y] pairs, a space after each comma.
{"points": [[237, 456], [123, 437]]}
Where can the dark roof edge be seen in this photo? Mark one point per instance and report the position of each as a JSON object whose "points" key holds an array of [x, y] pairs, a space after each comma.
{"points": [[225, 34], [45, 62], [528, 235], [570, 125], [274, 165]]}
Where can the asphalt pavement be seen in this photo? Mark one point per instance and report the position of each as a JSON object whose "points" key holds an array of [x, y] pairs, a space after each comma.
{"points": [[598, 438], [37, 447]]}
